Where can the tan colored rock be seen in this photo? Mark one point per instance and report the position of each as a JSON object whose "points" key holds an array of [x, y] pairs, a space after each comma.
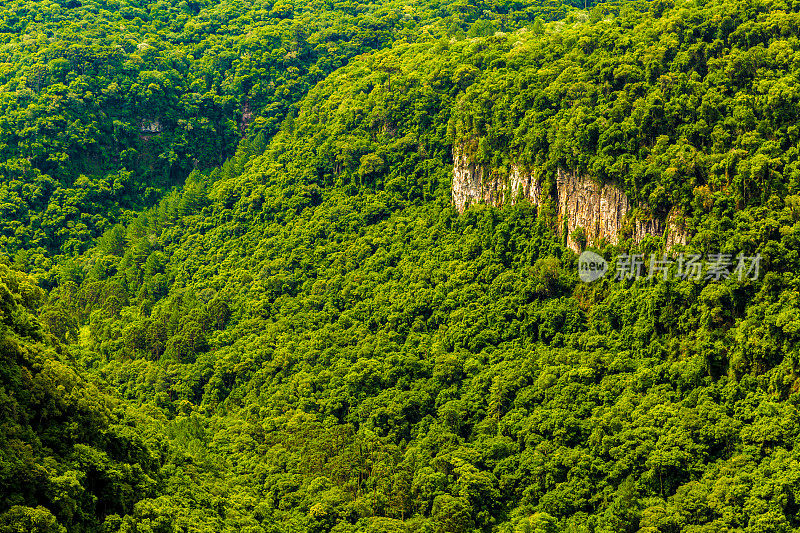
{"points": [[676, 233], [601, 210], [643, 228], [247, 117], [527, 183], [470, 185]]}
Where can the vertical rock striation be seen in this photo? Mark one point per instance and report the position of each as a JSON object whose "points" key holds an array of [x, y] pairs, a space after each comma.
{"points": [[472, 184], [599, 209], [603, 211]]}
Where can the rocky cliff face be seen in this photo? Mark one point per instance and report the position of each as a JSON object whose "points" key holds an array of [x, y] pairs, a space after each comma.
{"points": [[603, 211], [472, 185], [599, 210]]}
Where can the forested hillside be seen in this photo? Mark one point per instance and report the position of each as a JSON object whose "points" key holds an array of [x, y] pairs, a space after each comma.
{"points": [[105, 105], [309, 337], [64, 442]]}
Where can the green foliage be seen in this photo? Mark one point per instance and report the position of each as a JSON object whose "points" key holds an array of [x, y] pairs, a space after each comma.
{"points": [[673, 104], [578, 236], [68, 453], [106, 105], [309, 337]]}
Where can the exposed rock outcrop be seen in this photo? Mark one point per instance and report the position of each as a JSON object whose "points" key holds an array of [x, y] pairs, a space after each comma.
{"points": [[150, 127], [525, 183], [599, 209], [676, 233], [246, 118], [603, 211], [471, 184]]}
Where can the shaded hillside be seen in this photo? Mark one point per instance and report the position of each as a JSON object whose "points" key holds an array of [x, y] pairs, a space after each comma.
{"points": [[70, 454]]}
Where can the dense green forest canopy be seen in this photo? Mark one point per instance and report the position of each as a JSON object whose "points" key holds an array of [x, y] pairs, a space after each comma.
{"points": [[105, 105], [309, 337]]}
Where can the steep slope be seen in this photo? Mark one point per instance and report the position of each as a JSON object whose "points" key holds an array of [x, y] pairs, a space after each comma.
{"points": [[70, 454], [106, 105], [601, 213], [671, 110], [336, 348]]}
